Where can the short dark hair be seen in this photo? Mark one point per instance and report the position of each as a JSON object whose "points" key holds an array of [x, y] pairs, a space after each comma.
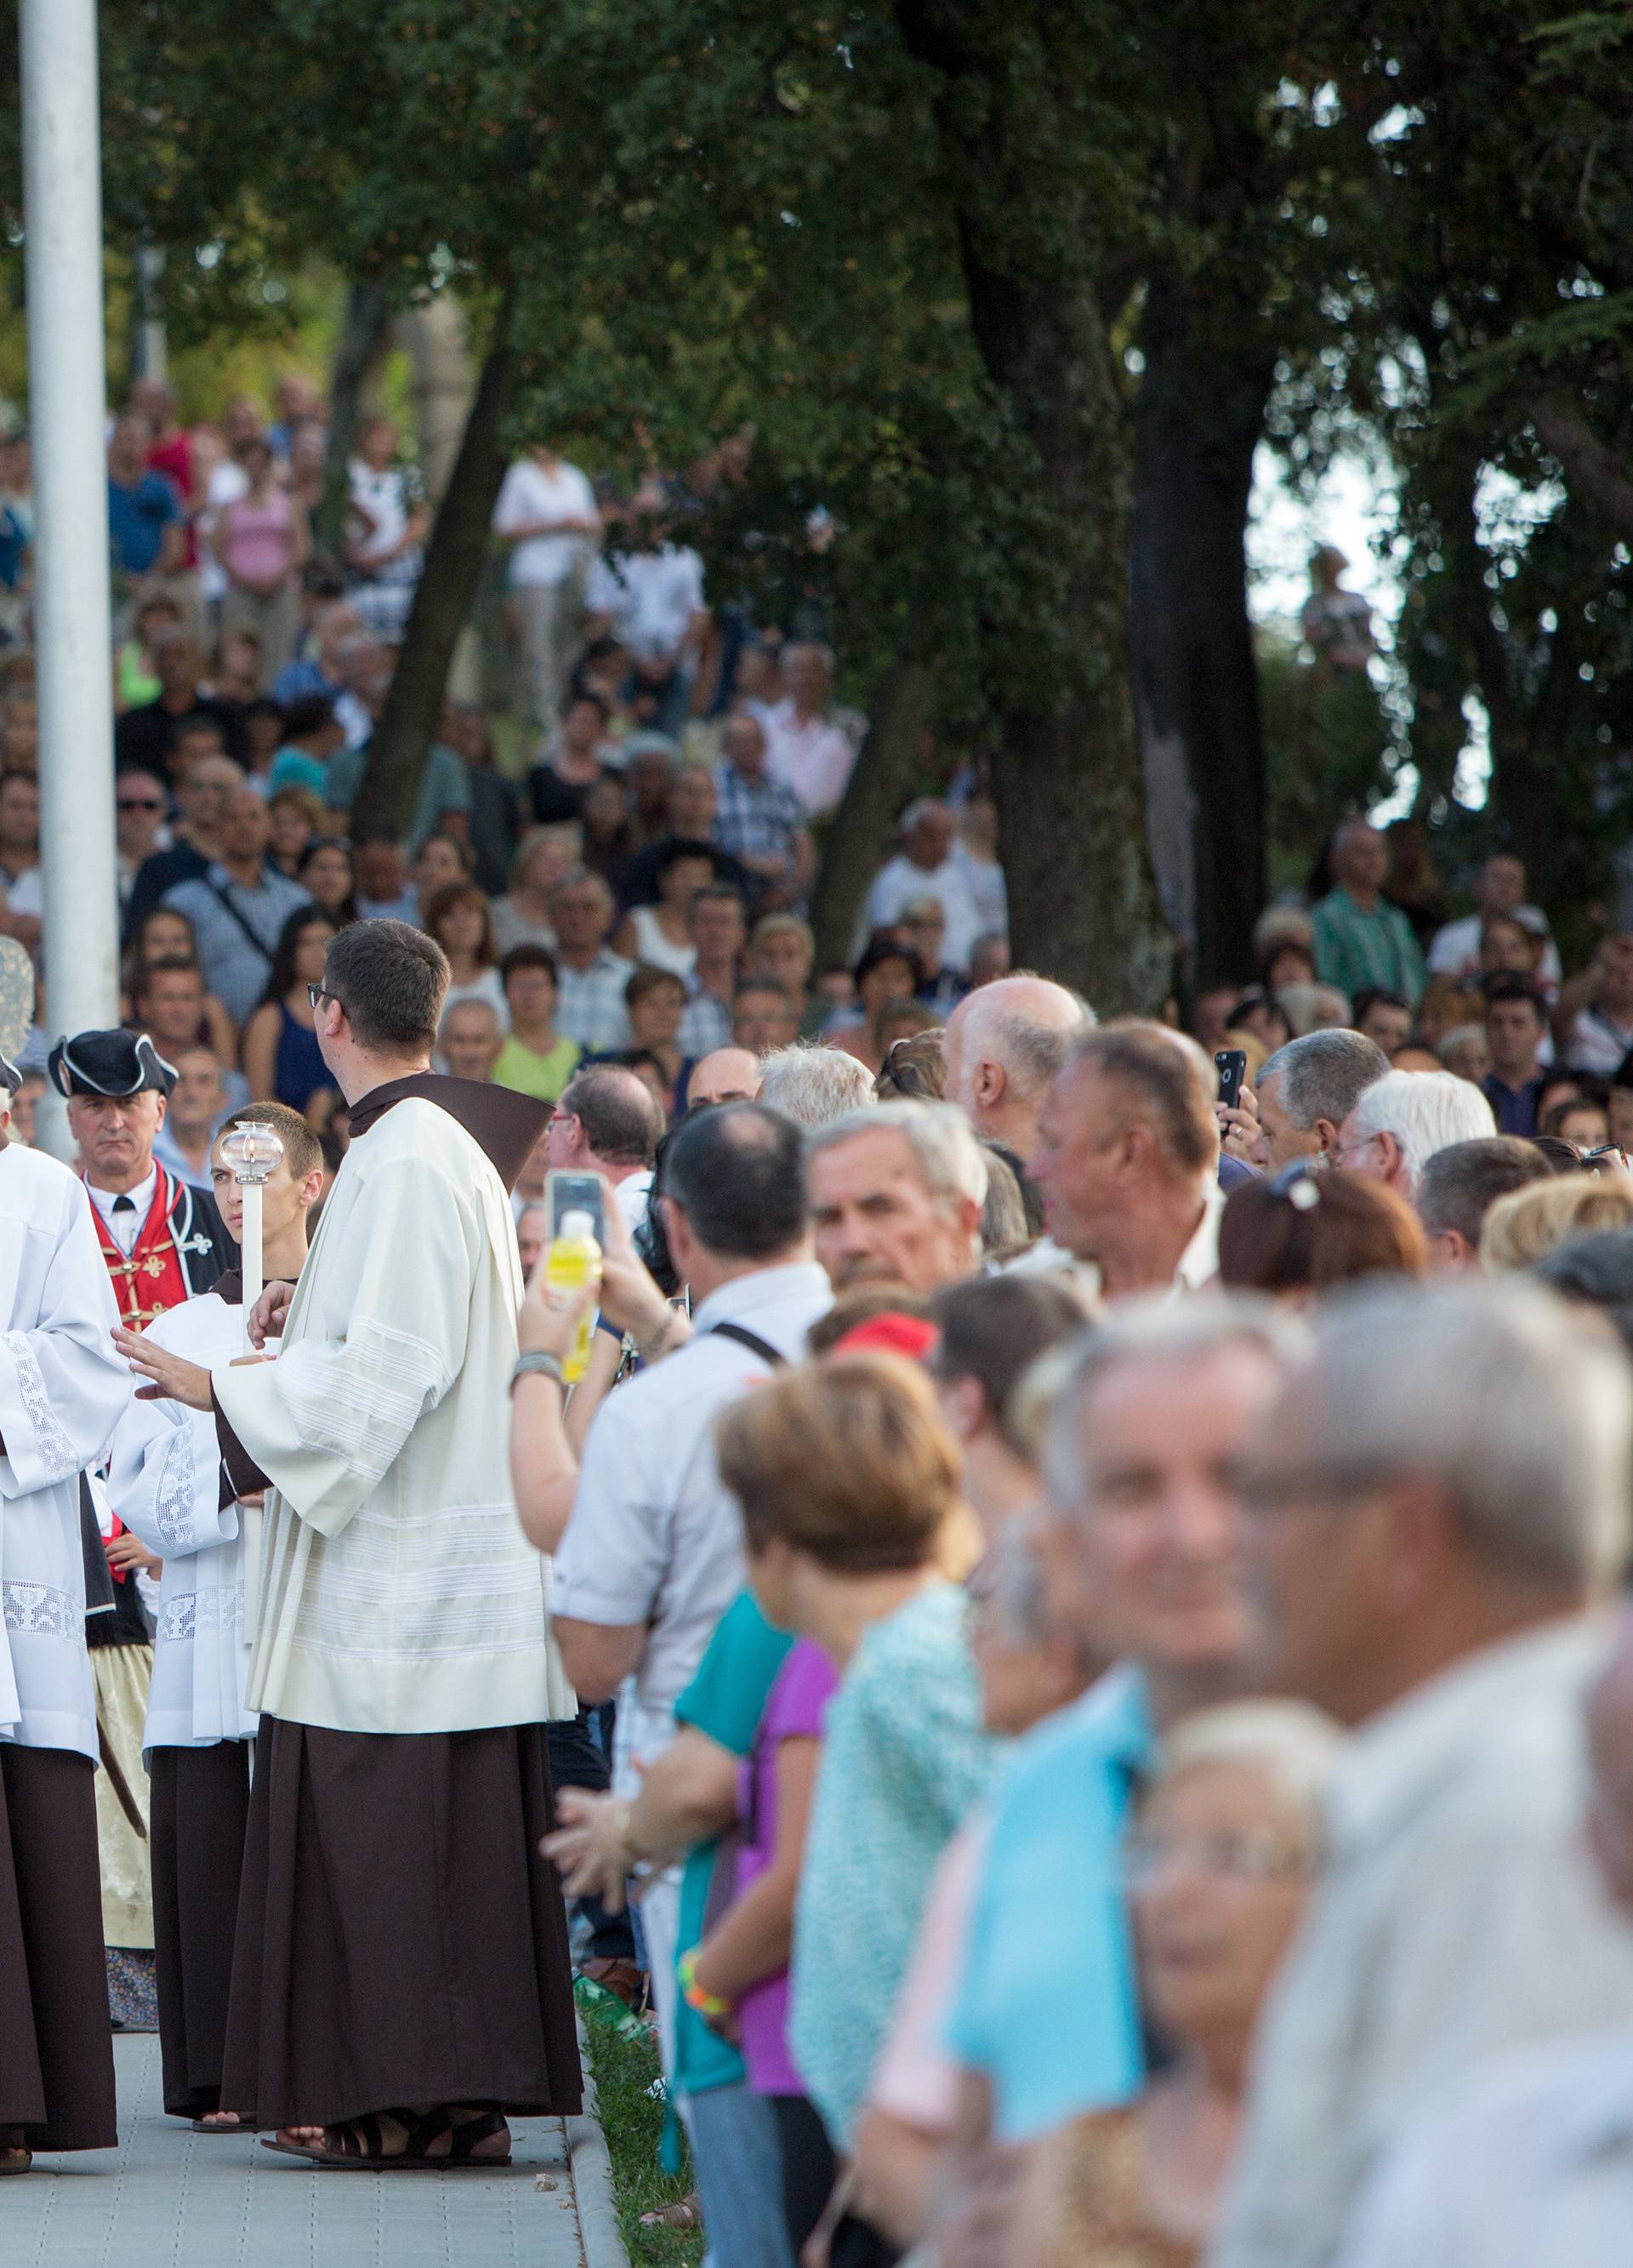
{"points": [[1461, 1182], [392, 980], [994, 1328], [1376, 996], [618, 1113], [648, 977], [1516, 988], [302, 1152], [684, 846], [309, 714], [168, 964], [198, 720], [737, 1174], [726, 892], [529, 956]]}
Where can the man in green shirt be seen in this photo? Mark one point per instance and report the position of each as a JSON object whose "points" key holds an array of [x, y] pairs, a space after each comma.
{"points": [[1360, 940]]}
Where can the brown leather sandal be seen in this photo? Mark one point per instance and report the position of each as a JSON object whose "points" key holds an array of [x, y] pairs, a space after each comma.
{"points": [[358, 2146]]}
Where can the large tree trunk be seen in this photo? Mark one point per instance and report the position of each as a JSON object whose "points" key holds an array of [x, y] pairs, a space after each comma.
{"points": [[362, 334], [433, 335], [1200, 416], [883, 774], [442, 599], [1066, 771], [1067, 776]]}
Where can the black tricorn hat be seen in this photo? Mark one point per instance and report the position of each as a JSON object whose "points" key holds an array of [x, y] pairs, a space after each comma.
{"points": [[109, 1063]]}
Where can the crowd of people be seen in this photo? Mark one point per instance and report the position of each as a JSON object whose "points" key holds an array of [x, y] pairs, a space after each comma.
{"points": [[645, 805], [1059, 1631]]}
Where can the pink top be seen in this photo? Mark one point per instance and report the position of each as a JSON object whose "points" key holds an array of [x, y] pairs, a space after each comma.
{"points": [[915, 2078], [793, 1711], [256, 540]]}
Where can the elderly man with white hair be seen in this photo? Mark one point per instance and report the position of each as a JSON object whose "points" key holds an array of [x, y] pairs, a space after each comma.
{"points": [[1400, 1121], [896, 1194], [924, 867], [814, 1084], [1003, 1047], [1438, 1501]]}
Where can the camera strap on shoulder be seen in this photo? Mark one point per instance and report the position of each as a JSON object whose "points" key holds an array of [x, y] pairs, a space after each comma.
{"points": [[751, 1340]]}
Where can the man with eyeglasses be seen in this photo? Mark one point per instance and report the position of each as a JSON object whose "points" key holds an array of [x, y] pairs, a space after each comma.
{"points": [[139, 825], [1438, 1499], [1142, 1538], [402, 1977], [204, 789]]}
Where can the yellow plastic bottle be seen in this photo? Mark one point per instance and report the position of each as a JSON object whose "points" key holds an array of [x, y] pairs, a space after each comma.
{"points": [[573, 1261]]}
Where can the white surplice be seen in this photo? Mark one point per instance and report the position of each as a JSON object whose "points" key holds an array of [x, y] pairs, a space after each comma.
{"points": [[164, 1483], [62, 1386], [397, 1593]]}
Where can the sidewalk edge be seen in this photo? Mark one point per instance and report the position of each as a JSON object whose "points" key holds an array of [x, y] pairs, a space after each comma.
{"points": [[591, 2170]]}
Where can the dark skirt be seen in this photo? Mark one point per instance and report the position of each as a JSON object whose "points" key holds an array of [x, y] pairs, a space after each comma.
{"points": [[400, 1938], [197, 1811], [56, 2042]]}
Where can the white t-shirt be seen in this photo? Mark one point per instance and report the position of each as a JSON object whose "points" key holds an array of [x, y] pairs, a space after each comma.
{"points": [[895, 887], [530, 494], [228, 482], [812, 755], [652, 597]]}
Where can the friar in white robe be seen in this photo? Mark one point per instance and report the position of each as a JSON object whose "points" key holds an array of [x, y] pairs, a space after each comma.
{"points": [[61, 1388], [167, 1484], [401, 1977]]}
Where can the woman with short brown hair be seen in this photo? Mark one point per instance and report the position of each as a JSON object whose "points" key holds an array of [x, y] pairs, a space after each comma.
{"points": [[848, 1482]]}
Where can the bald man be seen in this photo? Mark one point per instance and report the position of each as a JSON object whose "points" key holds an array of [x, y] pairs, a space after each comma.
{"points": [[1003, 1048], [725, 1075]]}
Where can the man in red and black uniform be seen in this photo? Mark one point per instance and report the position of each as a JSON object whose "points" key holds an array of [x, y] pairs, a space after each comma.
{"points": [[162, 1242]]}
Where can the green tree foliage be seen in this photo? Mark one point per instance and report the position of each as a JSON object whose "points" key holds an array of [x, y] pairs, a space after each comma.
{"points": [[967, 270]]}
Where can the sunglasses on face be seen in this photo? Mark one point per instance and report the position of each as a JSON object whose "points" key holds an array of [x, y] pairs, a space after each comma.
{"points": [[140, 803]]}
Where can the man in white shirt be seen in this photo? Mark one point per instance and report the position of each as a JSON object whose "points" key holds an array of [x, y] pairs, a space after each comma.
{"points": [[1127, 1159], [1500, 888], [608, 1121], [925, 868], [62, 1388], [1440, 1497], [805, 748], [652, 599], [1533, 2167], [654, 1552], [546, 513]]}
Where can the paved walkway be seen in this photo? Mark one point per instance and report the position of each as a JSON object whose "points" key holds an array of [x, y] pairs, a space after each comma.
{"points": [[169, 2199]]}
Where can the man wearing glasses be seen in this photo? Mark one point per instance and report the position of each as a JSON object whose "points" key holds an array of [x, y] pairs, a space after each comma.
{"points": [[139, 822], [401, 1980]]}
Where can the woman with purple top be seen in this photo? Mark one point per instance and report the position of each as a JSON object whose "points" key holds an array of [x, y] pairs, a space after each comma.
{"points": [[737, 1978]]}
